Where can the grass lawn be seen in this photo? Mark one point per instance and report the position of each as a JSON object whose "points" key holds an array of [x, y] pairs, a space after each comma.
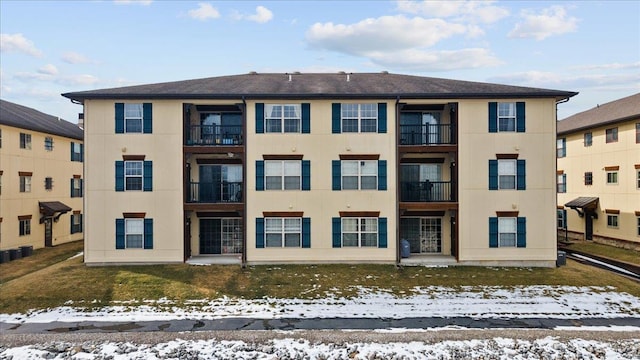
{"points": [[49, 279], [612, 252]]}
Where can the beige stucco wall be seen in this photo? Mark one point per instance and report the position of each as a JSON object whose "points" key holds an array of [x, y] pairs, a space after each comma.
{"points": [[623, 196], [56, 164], [103, 204], [321, 204], [537, 203]]}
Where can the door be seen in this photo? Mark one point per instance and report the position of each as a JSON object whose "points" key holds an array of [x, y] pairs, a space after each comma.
{"points": [[430, 235], [48, 232], [588, 231], [210, 124], [210, 237], [210, 177]]}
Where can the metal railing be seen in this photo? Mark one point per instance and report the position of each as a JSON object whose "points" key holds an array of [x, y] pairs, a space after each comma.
{"points": [[426, 191], [215, 135], [427, 134], [209, 192]]}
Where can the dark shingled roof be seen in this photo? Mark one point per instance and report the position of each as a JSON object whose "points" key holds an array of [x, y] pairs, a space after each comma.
{"points": [[612, 112], [30, 119], [316, 86]]}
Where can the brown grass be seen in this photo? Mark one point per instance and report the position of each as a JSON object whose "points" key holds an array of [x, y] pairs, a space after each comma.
{"points": [[630, 256], [41, 286]]}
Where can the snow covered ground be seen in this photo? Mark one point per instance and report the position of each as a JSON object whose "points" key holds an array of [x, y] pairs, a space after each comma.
{"points": [[564, 302]]}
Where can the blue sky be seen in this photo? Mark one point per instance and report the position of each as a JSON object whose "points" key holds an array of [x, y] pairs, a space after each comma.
{"points": [[51, 47]]}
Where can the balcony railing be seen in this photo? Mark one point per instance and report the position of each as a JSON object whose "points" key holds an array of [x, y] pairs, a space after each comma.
{"points": [[209, 192], [426, 191], [427, 134], [215, 135]]}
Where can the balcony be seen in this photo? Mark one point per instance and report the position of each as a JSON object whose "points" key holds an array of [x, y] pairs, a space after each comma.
{"points": [[214, 193], [215, 135], [427, 134], [426, 191]]}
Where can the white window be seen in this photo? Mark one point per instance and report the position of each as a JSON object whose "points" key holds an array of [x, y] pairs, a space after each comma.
{"points": [[281, 118], [283, 175], [507, 174], [506, 116], [637, 179], [134, 233], [359, 232], [133, 118], [561, 147], [133, 175], [612, 177], [283, 232], [76, 153], [25, 184], [561, 183], [507, 231], [562, 221], [25, 227], [359, 118], [612, 221], [359, 174], [76, 190], [25, 141], [48, 143]]}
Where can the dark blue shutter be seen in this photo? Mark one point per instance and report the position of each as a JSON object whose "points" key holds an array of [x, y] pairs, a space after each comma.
{"points": [[493, 117], [119, 233], [336, 177], [522, 232], [259, 175], [336, 227], [119, 118], [493, 174], [259, 233], [382, 174], [81, 187], [493, 232], [382, 118], [336, 116], [71, 231], [81, 152], [72, 188], [520, 123], [521, 174], [382, 232], [120, 175], [306, 232], [306, 118], [147, 183], [148, 233], [81, 222], [73, 158], [259, 118], [306, 175], [147, 118]]}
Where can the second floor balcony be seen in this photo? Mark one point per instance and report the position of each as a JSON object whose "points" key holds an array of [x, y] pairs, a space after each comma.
{"points": [[426, 191], [215, 192], [215, 135], [427, 134]]}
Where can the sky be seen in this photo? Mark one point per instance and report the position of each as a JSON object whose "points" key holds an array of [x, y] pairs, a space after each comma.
{"points": [[51, 47]]}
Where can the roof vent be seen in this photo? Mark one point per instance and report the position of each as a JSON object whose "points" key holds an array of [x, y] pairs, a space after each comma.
{"points": [[289, 76], [296, 72], [384, 72], [341, 72], [348, 79], [253, 73]]}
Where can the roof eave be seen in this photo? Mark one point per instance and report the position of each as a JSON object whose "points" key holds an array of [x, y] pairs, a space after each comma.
{"points": [[599, 124]]}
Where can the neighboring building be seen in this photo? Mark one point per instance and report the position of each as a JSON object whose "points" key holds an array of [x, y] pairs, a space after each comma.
{"points": [[40, 178], [598, 173], [321, 168]]}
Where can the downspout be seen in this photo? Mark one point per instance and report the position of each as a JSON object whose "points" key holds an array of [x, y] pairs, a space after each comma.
{"points": [[566, 218], [397, 172], [244, 186]]}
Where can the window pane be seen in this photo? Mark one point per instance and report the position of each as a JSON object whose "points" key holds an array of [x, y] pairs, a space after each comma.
{"points": [[292, 240], [369, 111], [291, 125], [349, 239], [350, 110], [273, 168], [273, 183], [274, 125], [507, 225], [369, 125], [369, 240], [350, 183], [134, 241], [506, 109], [133, 168], [134, 183], [507, 124], [292, 225], [507, 240], [370, 225], [273, 111], [369, 168], [274, 240], [292, 168], [292, 111], [507, 167], [350, 168], [507, 182], [369, 183], [349, 125], [134, 226], [133, 111], [349, 225], [133, 125], [292, 182], [273, 225]]}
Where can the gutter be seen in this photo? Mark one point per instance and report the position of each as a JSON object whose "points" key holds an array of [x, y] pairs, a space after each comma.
{"points": [[243, 260]]}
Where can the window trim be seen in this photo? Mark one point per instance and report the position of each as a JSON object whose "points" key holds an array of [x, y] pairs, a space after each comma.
{"points": [[25, 141], [121, 231], [514, 233], [360, 118], [25, 183], [48, 183], [588, 178], [588, 139], [282, 175], [76, 227], [561, 147], [561, 183], [359, 175], [360, 221], [48, 143], [613, 221], [126, 118], [611, 137], [283, 231], [612, 177], [140, 176], [283, 118]]}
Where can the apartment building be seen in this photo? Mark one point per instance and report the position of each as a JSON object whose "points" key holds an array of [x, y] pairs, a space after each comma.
{"points": [[321, 168], [41, 178], [598, 176]]}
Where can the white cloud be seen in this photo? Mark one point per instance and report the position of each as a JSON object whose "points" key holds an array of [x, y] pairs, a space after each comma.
{"points": [[204, 12], [138, 2], [467, 11], [577, 82], [444, 60], [386, 33], [261, 16], [612, 66], [48, 69], [550, 21], [75, 58], [82, 79], [18, 43]]}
